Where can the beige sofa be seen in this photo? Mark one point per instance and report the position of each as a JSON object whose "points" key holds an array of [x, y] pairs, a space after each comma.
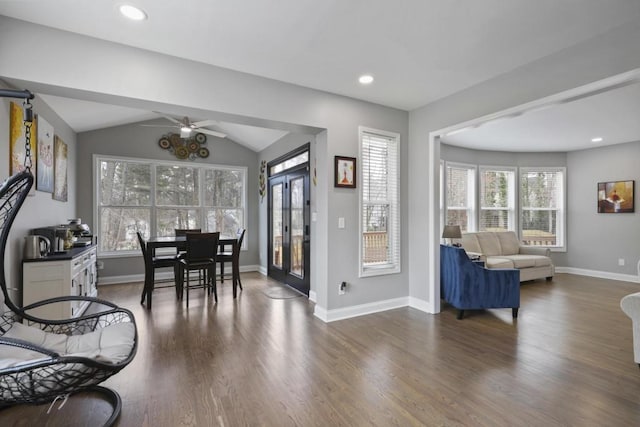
{"points": [[502, 249]]}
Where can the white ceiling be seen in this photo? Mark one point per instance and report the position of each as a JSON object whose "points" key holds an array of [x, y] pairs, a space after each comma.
{"points": [[417, 50]]}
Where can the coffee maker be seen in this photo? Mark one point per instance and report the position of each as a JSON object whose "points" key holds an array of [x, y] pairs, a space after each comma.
{"points": [[58, 235]]}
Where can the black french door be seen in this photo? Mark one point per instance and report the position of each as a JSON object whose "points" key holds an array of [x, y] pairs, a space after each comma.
{"points": [[289, 207]]}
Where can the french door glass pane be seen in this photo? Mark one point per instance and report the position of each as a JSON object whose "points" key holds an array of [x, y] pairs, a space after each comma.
{"points": [[276, 226], [167, 220], [226, 221], [118, 228], [297, 226]]}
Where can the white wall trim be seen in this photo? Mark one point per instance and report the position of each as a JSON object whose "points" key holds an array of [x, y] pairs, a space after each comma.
{"points": [[312, 296], [599, 274], [161, 275], [422, 305], [359, 310]]}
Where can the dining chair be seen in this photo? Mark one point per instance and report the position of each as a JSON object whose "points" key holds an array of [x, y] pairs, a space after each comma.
{"points": [[228, 256], [201, 256], [151, 262], [183, 232]]}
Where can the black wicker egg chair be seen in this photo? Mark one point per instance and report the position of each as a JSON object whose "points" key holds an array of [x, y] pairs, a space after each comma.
{"points": [[38, 372]]}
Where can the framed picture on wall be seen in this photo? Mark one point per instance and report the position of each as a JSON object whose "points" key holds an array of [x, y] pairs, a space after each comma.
{"points": [[345, 172], [616, 197]]}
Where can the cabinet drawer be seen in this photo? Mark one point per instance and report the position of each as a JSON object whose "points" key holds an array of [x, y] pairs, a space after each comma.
{"points": [[45, 272]]}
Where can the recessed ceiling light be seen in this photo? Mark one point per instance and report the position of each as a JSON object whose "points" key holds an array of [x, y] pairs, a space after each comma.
{"points": [[366, 79], [133, 12], [597, 139]]}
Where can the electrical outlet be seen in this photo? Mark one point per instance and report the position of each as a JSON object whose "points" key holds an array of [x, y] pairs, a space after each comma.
{"points": [[342, 288], [621, 262]]}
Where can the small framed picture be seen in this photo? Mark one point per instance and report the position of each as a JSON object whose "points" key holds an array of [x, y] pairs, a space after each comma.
{"points": [[345, 172]]}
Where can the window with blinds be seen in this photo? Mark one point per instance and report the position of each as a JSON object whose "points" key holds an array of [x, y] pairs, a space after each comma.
{"points": [[542, 206], [460, 196], [497, 199], [379, 250]]}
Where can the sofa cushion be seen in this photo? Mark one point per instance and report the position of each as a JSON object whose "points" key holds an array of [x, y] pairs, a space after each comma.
{"points": [[489, 244], [509, 243], [497, 262], [521, 261]]}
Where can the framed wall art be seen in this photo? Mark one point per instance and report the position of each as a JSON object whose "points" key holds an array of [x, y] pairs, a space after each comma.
{"points": [[345, 172], [616, 197], [59, 169], [44, 179]]}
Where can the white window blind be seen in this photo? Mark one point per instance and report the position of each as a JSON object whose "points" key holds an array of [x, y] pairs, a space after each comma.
{"points": [[460, 197], [497, 199], [379, 202], [542, 206]]}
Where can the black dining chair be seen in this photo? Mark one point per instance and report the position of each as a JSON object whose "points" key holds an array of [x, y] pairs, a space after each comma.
{"points": [[183, 232], [224, 255], [151, 262], [201, 256]]}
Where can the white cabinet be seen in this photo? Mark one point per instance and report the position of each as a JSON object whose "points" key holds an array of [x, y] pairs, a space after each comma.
{"points": [[73, 273]]}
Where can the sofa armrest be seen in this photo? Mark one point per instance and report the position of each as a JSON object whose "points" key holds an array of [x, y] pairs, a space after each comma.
{"points": [[476, 256], [532, 250]]}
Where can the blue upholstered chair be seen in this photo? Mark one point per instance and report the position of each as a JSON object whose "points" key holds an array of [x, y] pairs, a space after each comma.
{"points": [[468, 286]]}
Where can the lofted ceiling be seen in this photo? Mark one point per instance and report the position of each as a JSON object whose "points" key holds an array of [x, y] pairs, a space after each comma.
{"points": [[418, 51]]}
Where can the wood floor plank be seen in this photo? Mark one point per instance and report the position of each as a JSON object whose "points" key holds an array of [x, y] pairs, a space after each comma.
{"points": [[259, 361]]}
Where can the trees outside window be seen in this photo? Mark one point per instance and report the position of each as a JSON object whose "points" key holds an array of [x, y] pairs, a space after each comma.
{"points": [[155, 198], [497, 199]]}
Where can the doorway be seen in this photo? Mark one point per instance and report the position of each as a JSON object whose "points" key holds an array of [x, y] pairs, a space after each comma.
{"points": [[289, 217]]}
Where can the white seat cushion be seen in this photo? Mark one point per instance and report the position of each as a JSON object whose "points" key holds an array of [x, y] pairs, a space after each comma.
{"points": [[111, 344], [497, 262]]}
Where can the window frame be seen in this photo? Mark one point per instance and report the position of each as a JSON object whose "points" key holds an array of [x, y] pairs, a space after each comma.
{"points": [[153, 207], [561, 241], [394, 233], [513, 194], [472, 190]]}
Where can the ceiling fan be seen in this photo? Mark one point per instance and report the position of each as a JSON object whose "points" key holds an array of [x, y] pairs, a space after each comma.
{"points": [[186, 126]]}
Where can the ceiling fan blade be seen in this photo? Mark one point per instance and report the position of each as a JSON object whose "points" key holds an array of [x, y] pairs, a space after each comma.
{"points": [[159, 126], [203, 123], [171, 119], [211, 132]]}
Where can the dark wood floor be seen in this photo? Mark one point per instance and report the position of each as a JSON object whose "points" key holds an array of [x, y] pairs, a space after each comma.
{"points": [[566, 361]]}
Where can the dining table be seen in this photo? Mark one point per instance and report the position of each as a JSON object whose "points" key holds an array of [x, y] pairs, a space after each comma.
{"points": [[180, 243]]}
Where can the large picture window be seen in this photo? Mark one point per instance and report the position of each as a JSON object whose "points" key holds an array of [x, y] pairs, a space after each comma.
{"points": [[379, 202], [542, 206], [157, 197]]}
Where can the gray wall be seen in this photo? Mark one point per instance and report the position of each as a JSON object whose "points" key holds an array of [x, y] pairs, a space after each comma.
{"points": [[138, 141], [116, 74], [597, 241], [40, 209], [613, 52]]}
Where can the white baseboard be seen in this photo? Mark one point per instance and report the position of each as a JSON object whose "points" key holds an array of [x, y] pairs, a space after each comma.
{"points": [[422, 305], [263, 270], [161, 275], [312, 296], [599, 274], [359, 310]]}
